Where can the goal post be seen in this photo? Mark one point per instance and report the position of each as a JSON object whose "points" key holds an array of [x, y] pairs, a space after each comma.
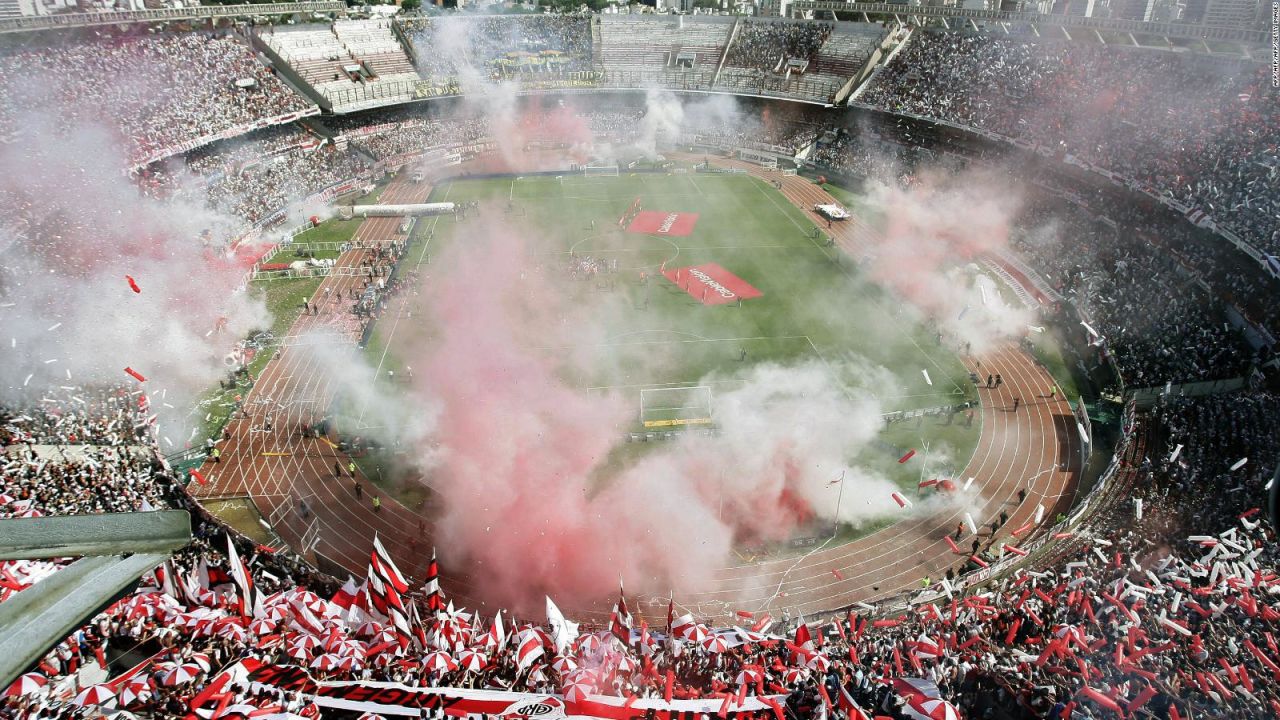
{"points": [[600, 170], [675, 406]]}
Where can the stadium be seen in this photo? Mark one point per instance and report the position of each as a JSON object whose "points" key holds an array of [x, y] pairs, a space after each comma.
{"points": [[808, 360]]}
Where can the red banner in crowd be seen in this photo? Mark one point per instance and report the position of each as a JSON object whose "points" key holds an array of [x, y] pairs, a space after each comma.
{"points": [[388, 698]]}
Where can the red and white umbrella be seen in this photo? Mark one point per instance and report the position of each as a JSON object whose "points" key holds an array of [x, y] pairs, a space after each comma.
{"points": [[137, 689], [326, 662], [923, 708], [350, 664], [472, 661], [201, 659], [748, 677], [95, 695], [232, 632], [28, 684], [386, 636], [697, 633], [348, 648], [262, 626], [369, 629], [587, 645], [302, 647], [370, 716], [577, 691], [795, 675], [714, 643], [564, 665], [818, 662], [182, 674], [439, 661], [309, 600], [276, 613]]}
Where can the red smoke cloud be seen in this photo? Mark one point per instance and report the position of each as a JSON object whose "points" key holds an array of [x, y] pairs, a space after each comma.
{"points": [[517, 445]]}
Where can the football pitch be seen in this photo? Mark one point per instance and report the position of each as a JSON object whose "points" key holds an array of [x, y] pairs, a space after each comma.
{"points": [[719, 273]]}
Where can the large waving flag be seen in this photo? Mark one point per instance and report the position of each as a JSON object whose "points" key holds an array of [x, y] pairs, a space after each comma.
{"points": [[243, 580], [386, 587], [804, 639], [620, 618], [528, 648], [435, 601], [563, 632]]}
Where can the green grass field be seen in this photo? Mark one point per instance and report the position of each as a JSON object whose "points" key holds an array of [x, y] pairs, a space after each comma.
{"points": [[816, 307]]}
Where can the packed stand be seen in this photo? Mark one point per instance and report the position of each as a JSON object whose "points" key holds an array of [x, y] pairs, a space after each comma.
{"points": [[1215, 433], [1198, 130], [253, 178], [77, 416], [162, 91], [1148, 312], [75, 451], [764, 45], [520, 46], [417, 135], [1161, 606]]}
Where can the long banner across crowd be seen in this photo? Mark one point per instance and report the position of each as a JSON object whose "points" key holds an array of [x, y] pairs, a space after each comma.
{"points": [[388, 698]]}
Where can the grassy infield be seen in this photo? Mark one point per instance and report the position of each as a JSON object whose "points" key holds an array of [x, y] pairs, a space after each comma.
{"points": [[816, 309]]}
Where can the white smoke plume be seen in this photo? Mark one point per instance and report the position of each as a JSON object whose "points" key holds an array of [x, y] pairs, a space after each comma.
{"points": [[935, 231], [76, 227]]}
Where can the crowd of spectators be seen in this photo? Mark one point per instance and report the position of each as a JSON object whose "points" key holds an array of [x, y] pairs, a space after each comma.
{"points": [[1215, 432], [160, 91], [1199, 130], [502, 47], [765, 45], [79, 416], [76, 451], [255, 176], [1151, 315], [417, 135], [1162, 603], [1158, 291], [80, 480], [1158, 604]]}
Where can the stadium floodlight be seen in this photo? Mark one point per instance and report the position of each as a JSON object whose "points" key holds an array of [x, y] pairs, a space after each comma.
{"points": [[675, 406]]}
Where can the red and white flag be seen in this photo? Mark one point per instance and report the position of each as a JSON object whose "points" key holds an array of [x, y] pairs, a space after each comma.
{"points": [[435, 601], [850, 708], [528, 648], [386, 587], [804, 639], [681, 626], [243, 580], [620, 618]]}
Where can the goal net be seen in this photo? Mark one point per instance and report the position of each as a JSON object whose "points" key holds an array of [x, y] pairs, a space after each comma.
{"points": [[675, 406], [600, 170]]}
